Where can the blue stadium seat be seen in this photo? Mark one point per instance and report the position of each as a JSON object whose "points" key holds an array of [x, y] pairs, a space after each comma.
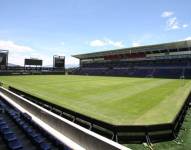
{"points": [[45, 146], [16, 119], [21, 122], [9, 137], [6, 131], [29, 130], [41, 138], [15, 145], [1, 119], [4, 128], [38, 139], [25, 125], [2, 122], [34, 134]]}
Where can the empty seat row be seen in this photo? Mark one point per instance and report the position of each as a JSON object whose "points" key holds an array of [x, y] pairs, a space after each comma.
{"points": [[42, 139], [140, 63], [135, 72], [9, 136]]}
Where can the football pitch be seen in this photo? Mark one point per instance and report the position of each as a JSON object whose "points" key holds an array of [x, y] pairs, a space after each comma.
{"points": [[115, 100]]}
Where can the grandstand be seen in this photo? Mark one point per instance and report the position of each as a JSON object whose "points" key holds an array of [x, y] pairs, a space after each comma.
{"points": [[169, 60]]}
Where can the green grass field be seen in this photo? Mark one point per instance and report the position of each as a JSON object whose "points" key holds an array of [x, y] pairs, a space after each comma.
{"points": [[116, 100]]}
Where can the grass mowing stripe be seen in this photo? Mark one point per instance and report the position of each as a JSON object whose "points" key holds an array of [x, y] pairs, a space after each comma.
{"points": [[117, 100]]}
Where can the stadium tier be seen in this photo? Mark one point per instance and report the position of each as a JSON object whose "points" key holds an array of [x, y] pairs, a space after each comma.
{"points": [[169, 60]]}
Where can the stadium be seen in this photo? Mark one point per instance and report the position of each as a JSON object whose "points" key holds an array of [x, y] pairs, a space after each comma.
{"points": [[131, 95]]}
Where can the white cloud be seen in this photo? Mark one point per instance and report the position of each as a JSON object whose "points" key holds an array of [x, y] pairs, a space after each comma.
{"points": [[98, 43], [185, 25], [188, 38], [136, 44], [18, 52], [71, 61], [166, 14], [106, 42], [13, 47], [17, 58], [118, 44], [172, 23]]}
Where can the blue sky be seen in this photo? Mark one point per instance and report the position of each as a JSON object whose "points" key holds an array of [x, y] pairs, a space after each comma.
{"points": [[42, 28]]}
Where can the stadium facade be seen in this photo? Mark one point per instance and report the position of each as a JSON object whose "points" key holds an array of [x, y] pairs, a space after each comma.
{"points": [[162, 60]]}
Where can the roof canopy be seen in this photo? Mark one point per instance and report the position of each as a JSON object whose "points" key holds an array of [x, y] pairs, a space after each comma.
{"points": [[146, 48]]}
